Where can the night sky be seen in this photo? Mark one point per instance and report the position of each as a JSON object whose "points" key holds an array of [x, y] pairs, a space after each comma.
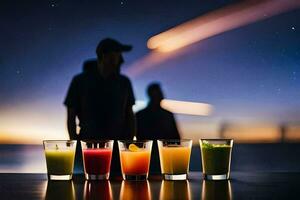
{"points": [[248, 74]]}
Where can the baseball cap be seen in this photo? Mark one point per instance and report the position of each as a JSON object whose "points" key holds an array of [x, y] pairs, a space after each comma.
{"points": [[110, 45]]}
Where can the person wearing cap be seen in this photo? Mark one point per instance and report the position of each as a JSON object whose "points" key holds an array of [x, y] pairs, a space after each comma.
{"points": [[102, 99]]}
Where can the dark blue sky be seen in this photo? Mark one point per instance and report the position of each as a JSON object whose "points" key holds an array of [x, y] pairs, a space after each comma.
{"points": [[250, 73]]}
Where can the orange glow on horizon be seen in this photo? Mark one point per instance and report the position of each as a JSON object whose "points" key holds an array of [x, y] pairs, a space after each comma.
{"points": [[247, 133], [32, 123]]}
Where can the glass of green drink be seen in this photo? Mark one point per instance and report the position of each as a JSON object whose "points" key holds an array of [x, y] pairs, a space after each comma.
{"points": [[60, 156], [216, 158]]}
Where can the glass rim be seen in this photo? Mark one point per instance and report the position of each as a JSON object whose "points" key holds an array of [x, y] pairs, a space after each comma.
{"points": [[216, 139], [95, 141], [134, 141], [52, 141], [175, 140]]}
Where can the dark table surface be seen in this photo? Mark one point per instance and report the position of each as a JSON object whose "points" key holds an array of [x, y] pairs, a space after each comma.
{"points": [[258, 185]]}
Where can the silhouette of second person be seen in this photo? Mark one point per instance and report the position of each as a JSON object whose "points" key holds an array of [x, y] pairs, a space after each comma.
{"points": [[154, 122]]}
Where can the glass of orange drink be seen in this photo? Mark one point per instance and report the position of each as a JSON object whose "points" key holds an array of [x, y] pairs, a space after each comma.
{"points": [[135, 158]]}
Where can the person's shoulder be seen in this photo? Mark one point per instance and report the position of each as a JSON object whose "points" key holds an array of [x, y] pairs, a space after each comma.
{"points": [[166, 112], [125, 79], [78, 76], [81, 77], [141, 111]]}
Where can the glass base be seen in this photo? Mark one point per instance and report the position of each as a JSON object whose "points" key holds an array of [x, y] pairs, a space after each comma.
{"points": [[59, 177], [135, 177], [175, 177], [96, 176], [217, 177]]}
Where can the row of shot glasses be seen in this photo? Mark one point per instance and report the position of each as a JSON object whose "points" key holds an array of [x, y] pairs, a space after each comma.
{"points": [[135, 158]]}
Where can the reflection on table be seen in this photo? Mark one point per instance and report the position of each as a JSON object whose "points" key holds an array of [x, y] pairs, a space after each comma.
{"points": [[216, 190], [171, 190], [97, 190], [256, 185], [60, 190], [131, 190]]}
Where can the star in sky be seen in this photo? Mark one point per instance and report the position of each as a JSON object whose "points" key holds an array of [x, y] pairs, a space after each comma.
{"points": [[293, 28], [283, 51], [18, 70], [50, 27], [278, 90], [53, 4], [294, 77], [261, 85]]}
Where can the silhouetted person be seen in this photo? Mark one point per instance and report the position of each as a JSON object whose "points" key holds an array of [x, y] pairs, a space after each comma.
{"points": [[101, 98], [154, 123], [223, 128], [283, 131]]}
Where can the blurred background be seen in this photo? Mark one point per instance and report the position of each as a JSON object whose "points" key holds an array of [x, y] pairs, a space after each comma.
{"points": [[239, 59]]}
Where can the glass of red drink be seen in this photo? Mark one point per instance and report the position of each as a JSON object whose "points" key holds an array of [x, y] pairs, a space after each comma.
{"points": [[97, 158]]}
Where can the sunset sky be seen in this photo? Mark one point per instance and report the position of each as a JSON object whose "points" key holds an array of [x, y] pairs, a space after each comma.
{"points": [[250, 75]]}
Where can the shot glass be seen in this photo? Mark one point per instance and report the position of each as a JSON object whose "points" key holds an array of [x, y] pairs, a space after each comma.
{"points": [[97, 156], [216, 158], [60, 156], [174, 158], [135, 158]]}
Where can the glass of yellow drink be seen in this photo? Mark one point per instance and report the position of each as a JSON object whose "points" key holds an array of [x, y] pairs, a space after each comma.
{"points": [[174, 158], [216, 158], [135, 158], [60, 156]]}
